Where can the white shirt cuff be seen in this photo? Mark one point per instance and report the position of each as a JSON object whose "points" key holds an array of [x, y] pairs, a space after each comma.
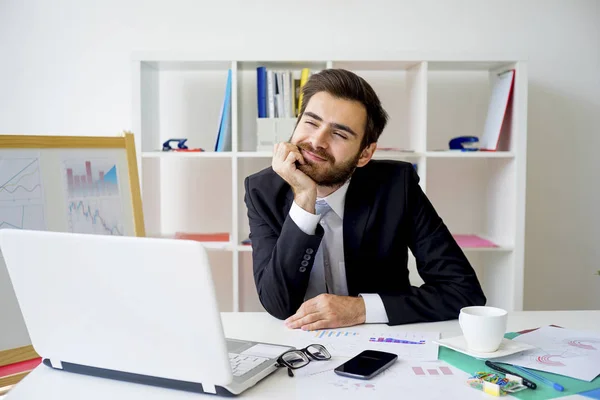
{"points": [[375, 311], [306, 221]]}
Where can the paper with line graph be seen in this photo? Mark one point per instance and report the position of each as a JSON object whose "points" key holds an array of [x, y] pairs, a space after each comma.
{"points": [[561, 351], [417, 346], [21, 191], [93, 196]]}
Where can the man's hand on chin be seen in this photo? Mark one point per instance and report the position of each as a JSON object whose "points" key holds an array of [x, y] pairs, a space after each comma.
{"points": [[328, 311]]}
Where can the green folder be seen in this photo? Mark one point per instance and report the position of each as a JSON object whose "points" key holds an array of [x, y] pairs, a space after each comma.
{"points": [[471, 365]]}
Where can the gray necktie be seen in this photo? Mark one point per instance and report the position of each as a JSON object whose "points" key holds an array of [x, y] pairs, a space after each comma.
{"points": [[322, 208]]}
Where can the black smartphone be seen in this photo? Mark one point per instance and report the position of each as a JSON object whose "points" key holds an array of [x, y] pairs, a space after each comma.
{"points": [[367, 364]]}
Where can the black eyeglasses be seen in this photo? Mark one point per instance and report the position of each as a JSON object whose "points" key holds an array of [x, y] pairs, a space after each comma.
{"points": [[294, 359]]}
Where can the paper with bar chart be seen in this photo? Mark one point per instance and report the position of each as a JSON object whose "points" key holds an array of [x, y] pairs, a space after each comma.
{"points": [[93, 196], [21, 191], [418, 346], [560, 351]]}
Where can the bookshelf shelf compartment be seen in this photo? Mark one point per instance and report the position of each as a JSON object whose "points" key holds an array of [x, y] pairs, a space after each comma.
{"points": [[209, 245], [245, 249], [373, 65], [191, 154], [251, 66], [470, 154], [255, 154]]}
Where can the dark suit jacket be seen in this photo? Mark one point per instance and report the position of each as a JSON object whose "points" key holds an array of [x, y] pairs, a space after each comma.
{"points": [[386, 213]]}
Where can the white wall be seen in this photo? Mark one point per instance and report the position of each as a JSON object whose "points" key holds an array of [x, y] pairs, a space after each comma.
{"points": [[65, 70]]}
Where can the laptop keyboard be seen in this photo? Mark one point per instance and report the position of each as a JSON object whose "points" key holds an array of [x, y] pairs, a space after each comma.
{"points": [[242, 364]]}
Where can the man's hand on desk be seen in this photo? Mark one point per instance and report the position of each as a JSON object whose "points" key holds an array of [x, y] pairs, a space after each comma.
{"points": [[328, 311]]}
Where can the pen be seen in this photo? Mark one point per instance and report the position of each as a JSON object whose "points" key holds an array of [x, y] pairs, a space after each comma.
{"points": [[548, 382], [496, 367]]}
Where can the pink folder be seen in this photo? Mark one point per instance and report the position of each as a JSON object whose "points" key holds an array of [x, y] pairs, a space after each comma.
{"points": [[472, 241]]}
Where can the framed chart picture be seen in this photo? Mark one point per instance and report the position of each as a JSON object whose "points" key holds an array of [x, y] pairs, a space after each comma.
{"points": [[70, 184]]}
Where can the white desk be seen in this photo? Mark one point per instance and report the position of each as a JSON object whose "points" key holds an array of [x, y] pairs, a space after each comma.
{"points": [[44, 383]]}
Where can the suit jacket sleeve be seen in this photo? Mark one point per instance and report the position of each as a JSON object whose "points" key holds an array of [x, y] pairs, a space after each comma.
{"points": [[450, 282], [283, 255]]}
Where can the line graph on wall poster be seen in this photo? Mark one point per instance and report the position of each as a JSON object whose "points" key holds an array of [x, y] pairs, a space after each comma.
{"points": [[100, 216], [19, 179], [22, 217], [21, 193]]}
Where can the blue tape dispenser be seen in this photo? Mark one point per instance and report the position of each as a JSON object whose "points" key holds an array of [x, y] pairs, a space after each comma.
{"points": [[458, 143]]}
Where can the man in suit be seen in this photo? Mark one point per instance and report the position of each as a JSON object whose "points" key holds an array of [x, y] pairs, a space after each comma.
{"points": [[331, 228]]}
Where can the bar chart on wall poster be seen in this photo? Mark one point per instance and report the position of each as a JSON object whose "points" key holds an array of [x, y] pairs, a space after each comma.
{"points": [[93, 196], [21, 191]]}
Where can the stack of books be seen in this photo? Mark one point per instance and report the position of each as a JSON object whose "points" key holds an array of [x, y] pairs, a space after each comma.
{"points": [[279, 92]]}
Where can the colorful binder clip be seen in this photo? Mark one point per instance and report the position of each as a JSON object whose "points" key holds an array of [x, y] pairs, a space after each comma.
{"points": [[495, 385], [458, 143]]}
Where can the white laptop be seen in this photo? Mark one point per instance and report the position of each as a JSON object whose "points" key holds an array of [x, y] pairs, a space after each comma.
{"points": [[135, 309]]}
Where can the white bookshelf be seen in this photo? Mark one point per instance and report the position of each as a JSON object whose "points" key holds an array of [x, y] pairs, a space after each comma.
{"points": [[429, 100]]}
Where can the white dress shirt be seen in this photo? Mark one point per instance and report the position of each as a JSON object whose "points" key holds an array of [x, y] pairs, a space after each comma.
{"points": [[333, 226]]}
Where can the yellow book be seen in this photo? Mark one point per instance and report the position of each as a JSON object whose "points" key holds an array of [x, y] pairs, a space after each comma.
{"points": [[303, 79]]}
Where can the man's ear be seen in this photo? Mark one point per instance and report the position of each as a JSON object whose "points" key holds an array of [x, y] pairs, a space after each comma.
{"points": [[367, 154]]}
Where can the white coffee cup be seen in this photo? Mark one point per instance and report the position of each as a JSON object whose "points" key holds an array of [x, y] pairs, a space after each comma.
{"points": [[483, 327]]}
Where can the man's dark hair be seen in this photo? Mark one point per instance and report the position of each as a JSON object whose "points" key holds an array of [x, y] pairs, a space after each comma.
{"points": [[347, 85]]}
